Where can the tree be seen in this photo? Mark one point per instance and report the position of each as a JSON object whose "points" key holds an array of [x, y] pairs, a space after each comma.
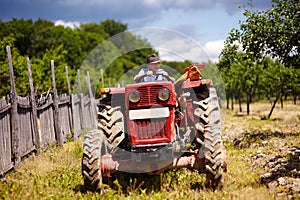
{"points": [[4, 70], [42, 41], [21, 30], [53, 36], [241, 74], [228, 55], [273, 33], [41, 70], [111, 27]]}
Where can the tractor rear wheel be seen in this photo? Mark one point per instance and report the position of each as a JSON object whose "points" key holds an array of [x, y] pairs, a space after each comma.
{"points": [[208, 136]]}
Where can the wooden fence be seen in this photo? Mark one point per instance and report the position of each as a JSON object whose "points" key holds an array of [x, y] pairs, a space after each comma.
{"points": [[28, 124]]}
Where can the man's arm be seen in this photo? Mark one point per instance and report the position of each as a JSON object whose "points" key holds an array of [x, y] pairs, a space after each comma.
{"points": [[141, 75], [171, 79], [165, 74], [138, 78]]}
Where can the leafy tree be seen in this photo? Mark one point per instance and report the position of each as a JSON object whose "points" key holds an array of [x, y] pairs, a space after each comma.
{"points": [[274, 33], [75, 48], [241, 74], [52, 37], [4, 71], [228, 57], [111, 27], [21, 30], [178, 66], [41, 70], [20, 69], [90, 35], [277, 80]]}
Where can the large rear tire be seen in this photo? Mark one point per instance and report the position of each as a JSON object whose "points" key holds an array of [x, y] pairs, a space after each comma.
{"points": [[208, 135]]}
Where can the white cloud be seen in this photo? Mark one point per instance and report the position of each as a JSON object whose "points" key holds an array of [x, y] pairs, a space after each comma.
{"points": [[172, 45], [71, 25], [151, 2], [213, 49], [180, 50]]}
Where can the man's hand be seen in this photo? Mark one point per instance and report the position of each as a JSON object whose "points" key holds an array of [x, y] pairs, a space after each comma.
{"points": [[149, 73]]}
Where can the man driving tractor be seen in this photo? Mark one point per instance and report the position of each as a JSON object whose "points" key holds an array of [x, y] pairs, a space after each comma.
{"points": [[153, 72]]}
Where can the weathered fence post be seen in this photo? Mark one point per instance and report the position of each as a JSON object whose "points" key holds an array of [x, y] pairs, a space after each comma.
{"points": [[82, 120], [56, 111], [71, 99], [34, 110], [14, 111], [93, 106], [88, 81], [68, 81], [76, 110], [78, 81]]}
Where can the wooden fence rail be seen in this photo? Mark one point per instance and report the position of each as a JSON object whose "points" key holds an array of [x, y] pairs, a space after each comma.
{"points": [[28, 124]]}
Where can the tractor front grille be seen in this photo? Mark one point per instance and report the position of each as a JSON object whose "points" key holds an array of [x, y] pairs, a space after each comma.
{"points": [[150, 128], [152, 131], [148, 95]]}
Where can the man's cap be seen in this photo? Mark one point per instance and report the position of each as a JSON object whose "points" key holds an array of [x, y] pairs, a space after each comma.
{"points": [[152, 58]]}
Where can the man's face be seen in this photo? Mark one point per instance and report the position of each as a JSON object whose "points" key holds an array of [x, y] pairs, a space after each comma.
{"points": [[154, 66]]}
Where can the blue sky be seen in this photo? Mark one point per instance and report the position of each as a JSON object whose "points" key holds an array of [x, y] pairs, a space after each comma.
{"points": [[208, 22]]}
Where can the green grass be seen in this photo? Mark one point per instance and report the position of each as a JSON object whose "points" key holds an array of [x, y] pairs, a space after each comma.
{"points": [[56, 173]]}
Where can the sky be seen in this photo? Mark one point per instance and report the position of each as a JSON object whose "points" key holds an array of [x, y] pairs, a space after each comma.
{"points": [[206, 22]]}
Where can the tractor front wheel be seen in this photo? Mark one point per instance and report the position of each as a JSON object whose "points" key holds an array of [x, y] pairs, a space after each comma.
{"points": [[93, 148], [111, 121]]}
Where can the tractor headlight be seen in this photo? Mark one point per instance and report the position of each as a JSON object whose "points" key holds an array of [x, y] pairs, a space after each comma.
{"points": [[163, 94], [134, 96]]}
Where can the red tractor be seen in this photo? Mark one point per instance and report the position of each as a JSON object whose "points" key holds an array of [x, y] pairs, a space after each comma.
{"points": [[154, 126]]}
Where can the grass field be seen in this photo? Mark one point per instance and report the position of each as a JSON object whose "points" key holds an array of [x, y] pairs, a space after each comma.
{"points": [[56, 173]]}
